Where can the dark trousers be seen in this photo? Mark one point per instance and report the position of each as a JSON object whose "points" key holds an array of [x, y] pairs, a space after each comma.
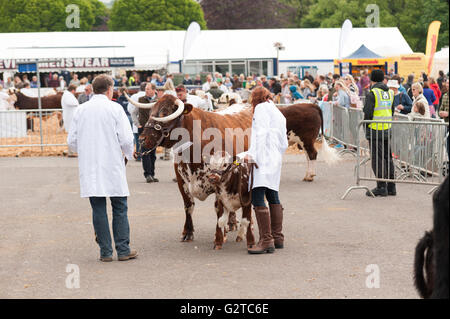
{"points": [[381, 156], [258, 194], [148, 161], [121, 228]]}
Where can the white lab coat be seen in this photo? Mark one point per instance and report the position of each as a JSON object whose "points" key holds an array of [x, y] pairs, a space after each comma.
{"points": [[69, 104], [198, 102], [267, 145], [134, 111], [101, 134], [5, 102]]}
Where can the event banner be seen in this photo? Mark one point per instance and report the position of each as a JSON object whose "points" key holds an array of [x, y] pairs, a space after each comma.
{"points": [[69, 63], [432, 40]]}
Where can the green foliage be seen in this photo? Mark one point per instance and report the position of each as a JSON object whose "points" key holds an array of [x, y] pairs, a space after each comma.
{"points": [[412, 17], [47, 15], [135, 15]]}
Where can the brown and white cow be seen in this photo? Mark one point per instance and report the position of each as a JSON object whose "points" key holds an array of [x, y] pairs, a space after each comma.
{"points": [[303, 123], [230, 180], [169, 114]]}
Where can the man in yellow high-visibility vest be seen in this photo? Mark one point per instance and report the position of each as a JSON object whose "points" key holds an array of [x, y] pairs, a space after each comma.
{"points": [[379, 107]]}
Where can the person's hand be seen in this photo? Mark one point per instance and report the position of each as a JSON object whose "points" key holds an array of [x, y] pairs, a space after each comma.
{"points": [[400, 107], [443, 113], [135, 155]]}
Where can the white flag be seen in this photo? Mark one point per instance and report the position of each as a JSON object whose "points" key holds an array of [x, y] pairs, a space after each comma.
{"points": [[345, 35], [192, 32]]}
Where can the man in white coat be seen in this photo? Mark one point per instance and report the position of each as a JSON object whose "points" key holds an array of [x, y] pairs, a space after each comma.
{"points": [[101, 134], [69, 104]]}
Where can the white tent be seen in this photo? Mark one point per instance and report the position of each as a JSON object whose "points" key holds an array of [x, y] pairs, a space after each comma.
{"points": [[440, 62], [158, 49]]}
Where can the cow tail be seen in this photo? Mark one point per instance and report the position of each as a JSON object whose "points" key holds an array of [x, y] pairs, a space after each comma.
{"points": [[330, 155], [423, 259]]}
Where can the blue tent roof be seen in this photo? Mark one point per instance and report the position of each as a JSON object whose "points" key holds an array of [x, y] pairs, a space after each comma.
{"points": [[363, 53]]}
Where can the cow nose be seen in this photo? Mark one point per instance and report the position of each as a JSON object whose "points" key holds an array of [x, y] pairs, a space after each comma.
{"points": [[213, 178]]}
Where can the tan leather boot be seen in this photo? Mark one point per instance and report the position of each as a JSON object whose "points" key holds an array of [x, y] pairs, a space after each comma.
{"points": [[276, 222], [265, 244]]}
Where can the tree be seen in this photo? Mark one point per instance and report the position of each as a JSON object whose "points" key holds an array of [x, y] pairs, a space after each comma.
{"points": [[407, 15], [248, 14], [47, 15], [134, 15]]}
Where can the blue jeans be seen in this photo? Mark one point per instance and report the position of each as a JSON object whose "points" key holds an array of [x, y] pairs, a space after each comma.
{"points": [[258, 196], [121, 228], [136, 143]]}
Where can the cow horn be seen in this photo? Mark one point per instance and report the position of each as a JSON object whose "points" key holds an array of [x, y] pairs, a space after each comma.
{"points": [[172, 116], [139, 105]]}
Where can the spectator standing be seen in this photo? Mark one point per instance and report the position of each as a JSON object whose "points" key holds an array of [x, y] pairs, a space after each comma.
{"points": [[237, 84], [444, 109], [437, 93], [198, 80], [402, 102], [9, 83], [417, 92], [431, 98], [264, 82], [101, 135], [308, 77], [364, 83], [122, 100], [18, 82], [75, 80], [228, 84], [274, 86], [187, 80], [441, 80], [343, 94], [34, 82], [69, 104], [86, 95], [148, 160], [207, 85], [134, 112], [285, 92]]}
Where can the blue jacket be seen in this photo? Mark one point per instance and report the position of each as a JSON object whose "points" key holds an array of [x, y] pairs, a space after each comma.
{"points": [[429, 95], [403, 99]]}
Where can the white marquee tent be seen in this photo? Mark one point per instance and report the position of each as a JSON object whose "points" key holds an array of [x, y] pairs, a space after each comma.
{"points": [[158, 49]]}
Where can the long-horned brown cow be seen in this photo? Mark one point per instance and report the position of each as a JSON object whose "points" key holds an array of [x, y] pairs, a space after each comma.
{"points": [[169, 117], [170, 114]]}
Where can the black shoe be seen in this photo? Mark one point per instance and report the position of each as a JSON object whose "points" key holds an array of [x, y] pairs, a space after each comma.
{"points": [[149, 179], [155, 180], [174, 180], [378, 192], [391, 189]]}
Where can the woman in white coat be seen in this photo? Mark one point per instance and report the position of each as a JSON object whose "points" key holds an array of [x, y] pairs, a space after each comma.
{"points": [[267, 146]]}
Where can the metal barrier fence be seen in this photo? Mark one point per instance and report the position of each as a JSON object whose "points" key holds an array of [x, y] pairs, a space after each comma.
{"points": [[30, 129], [410, 152]]}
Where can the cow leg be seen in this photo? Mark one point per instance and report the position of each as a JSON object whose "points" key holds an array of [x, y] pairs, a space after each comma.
{"points": [[311, 156], [189, 204], [220, 236], [246, 226]]}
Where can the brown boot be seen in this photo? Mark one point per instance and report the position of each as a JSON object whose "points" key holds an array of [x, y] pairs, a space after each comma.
{"points": [[265, 244], [276, 221]]}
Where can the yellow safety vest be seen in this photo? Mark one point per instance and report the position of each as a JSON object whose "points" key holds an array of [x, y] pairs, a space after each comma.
{"points": [[383, 109]]}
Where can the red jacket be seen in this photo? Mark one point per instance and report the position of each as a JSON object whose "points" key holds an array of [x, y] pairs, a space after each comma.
{"points": [[437, 92]]}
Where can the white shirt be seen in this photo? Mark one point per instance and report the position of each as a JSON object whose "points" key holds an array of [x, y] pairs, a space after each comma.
{"points": [[206, 86], [69, 104], [134, 111], [5, 102], [101, 135], [198, 102], [267, 145]]}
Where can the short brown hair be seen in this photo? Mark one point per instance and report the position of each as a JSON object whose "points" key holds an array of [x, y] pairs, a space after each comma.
{"points": [[102, 83], [71, 87]]}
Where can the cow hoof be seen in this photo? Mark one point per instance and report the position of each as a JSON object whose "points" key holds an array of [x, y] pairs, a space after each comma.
{"points": [[308, 179], [238, 239], [224, 239], [187, 238], [217, 247]]}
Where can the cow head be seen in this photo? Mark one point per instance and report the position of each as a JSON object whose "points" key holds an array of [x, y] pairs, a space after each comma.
{"points": [[227, 99], [220, 164], [165, 115]]}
